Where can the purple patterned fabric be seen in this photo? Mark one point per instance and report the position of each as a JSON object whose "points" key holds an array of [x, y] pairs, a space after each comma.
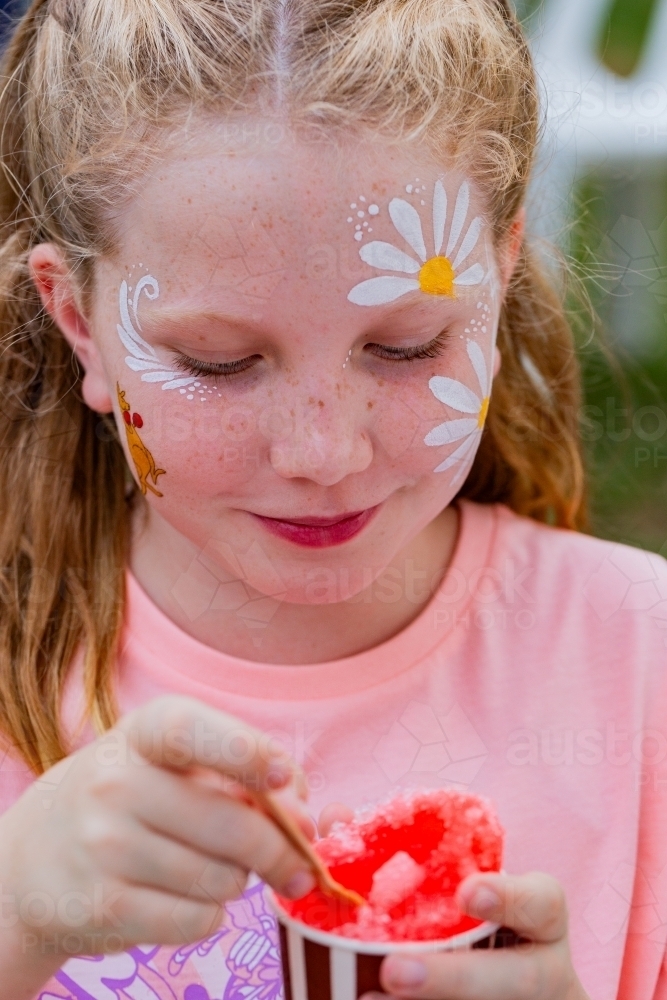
{"points": [[241, 961]]}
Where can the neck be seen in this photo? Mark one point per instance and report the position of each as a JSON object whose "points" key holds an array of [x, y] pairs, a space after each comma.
{"points": [[248, 625]]}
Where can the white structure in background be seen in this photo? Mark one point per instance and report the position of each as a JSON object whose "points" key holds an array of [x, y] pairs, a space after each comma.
{"points": [[596, 118], [593, 116], [603, 115]]}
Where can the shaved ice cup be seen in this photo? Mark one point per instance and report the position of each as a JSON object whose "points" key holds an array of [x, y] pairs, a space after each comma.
{"points": [[318, 965], [423, 841]]}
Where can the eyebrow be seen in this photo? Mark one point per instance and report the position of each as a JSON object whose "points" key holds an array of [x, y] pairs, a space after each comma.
{"points": [[175, 319]]}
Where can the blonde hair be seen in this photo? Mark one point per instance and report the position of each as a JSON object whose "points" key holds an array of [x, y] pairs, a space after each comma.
{"points": [[88, 86]]}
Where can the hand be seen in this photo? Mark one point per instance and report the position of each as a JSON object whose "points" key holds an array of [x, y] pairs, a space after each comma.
{"points": [[532, 905], [142, 836]]}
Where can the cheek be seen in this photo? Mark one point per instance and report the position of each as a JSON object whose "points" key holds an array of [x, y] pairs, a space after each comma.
{"points": [[199, 445], [433, 422]]}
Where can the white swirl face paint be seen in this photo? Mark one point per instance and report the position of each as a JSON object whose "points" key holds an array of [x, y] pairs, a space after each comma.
{"points": [[432, 274], [143, 357]]}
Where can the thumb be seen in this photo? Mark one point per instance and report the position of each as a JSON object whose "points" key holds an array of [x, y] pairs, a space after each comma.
{"points": [[533, 905]]}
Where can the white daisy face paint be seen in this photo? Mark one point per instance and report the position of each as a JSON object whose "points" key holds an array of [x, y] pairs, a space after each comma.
{"points": [[432, 271], [458, 396], [468, 429]]}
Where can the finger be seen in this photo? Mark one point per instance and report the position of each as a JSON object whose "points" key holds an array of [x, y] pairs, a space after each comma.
{"points": [[144, 914], [335, 812], [296, 810], [525, 973], [533, 905], [179, 732], [220, 827], [138, 855]]}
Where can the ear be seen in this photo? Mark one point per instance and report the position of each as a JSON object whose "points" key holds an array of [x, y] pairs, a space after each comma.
{"points": [[512, 248], [53, 280]]}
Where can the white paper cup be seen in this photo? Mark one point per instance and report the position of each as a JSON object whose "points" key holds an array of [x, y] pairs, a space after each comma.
{"points": [[322, 966]]}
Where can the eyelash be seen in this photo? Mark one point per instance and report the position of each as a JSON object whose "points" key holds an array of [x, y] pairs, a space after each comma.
{"points": [[200, 368], [434, 349]]}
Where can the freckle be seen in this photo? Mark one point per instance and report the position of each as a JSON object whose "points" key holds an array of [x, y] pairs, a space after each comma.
{"points": [[370, 404], [320, 403]]}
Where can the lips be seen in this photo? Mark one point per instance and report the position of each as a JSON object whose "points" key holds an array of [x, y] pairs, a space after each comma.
{"points": [[319, 532]]}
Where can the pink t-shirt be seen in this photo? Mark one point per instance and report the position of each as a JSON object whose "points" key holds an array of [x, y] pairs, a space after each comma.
{"points": [[536, 676]]}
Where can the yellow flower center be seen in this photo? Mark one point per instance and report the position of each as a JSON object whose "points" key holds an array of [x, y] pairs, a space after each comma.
{"points": [[483, 412], [437, 277]]}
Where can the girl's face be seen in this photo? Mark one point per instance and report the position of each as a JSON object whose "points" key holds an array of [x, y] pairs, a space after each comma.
{"points": [[298, 342]]}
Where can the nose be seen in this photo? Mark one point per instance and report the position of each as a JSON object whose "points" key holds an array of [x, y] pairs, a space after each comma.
{"points": [[326, 445]]}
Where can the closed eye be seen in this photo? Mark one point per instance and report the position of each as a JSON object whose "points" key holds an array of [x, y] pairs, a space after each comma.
{"points": [[434, 349], [212, 369]]}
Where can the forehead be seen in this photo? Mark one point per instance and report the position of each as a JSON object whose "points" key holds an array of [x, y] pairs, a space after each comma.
{"points": [[256, 222]]}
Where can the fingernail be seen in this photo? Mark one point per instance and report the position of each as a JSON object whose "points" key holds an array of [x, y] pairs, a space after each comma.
{"points": [[405, 973], [278, 776], [374, 996], [483, 903], [299, 885]]}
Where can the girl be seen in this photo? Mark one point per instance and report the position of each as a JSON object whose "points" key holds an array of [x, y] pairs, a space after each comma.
{"points": [[264, 526]]}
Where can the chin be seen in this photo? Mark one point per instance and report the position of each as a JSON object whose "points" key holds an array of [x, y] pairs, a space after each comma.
{"points": [[319, 585]]}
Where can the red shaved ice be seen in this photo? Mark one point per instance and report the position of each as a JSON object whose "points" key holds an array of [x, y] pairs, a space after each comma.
{"points": [[406, 857]]}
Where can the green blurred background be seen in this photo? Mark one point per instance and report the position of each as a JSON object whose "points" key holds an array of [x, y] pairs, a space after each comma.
{"points": [[618, 246]]}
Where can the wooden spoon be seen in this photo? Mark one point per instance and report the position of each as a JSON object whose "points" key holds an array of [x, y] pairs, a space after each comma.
{"points": [[297, 838]]}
